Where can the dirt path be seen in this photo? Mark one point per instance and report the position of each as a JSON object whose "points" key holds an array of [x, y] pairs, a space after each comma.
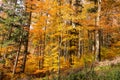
{"points": [[109, 62]]}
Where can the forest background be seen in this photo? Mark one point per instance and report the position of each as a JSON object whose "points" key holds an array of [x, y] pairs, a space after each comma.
{"points": [[50, 37]]}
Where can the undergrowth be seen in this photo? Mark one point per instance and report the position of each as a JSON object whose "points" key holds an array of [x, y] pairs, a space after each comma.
{"points": [[112, 73]]}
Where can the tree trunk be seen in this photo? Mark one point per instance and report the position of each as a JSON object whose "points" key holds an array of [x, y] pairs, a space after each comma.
{"points": [[17, 56], [97, 44], [60, 41], [26, 42]]}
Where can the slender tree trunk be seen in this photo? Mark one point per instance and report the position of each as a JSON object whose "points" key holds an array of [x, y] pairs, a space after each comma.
{"points": [[97, 46], [17, 56], [40, 53], [2, 42], [26, 42], [45, 34], [79, 43], [60, 40], [89, 41]]}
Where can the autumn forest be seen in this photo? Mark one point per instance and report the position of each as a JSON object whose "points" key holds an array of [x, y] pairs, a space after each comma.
{"points": [[59, 39]]}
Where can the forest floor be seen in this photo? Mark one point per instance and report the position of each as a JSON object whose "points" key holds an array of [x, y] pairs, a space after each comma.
{"points": [[107, 62], [103, 70], [98, 66], [101, 66]]}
